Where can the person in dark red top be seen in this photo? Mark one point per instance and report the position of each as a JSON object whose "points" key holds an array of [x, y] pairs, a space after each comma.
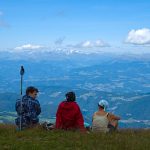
{"points": [[68, 115]]}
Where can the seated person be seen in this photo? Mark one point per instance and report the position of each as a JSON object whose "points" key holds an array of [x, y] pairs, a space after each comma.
{"points": [[28, 108], [104, 121], [69, 116]]}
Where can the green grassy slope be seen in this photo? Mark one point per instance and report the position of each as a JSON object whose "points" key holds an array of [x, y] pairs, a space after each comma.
{"points": [[39, 139]]}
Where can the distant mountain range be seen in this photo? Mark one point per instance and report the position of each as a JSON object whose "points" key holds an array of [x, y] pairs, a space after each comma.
{"points": [[60, 54], [123, 80]]}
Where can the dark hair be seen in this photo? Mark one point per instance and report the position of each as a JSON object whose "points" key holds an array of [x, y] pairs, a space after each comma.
{"points": [[102, 107], [70, 96], [31, 89]]}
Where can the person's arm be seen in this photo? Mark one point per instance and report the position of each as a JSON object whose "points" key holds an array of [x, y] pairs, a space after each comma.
{"points": [[37, 107], [113, 117], [93, 116], [58, 118], [80, 121]]}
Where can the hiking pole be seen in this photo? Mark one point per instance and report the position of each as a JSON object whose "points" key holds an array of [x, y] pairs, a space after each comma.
{"points": [[21, 73]]}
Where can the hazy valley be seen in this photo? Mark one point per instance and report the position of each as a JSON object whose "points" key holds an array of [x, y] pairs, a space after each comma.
{"points": [[123, 80]]}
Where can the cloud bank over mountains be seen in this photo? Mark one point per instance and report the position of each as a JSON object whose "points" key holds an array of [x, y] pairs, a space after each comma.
{"points": [[83, 47], [138, 38]]}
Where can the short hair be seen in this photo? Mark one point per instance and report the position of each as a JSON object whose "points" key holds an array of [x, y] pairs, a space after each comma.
{"points": [[102, 107], [70, 96], [31, 89]]}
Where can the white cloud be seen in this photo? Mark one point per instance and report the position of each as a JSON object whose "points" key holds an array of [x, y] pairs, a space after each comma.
{"points": [[92, 44], [29, 47], [100, 43], [86, 44], [139, 37]]}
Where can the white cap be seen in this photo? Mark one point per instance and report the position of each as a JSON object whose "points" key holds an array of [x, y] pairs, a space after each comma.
{"points": [[103, 103]]}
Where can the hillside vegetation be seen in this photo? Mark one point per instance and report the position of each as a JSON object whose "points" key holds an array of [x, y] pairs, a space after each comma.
{"points": [[39, 139]]}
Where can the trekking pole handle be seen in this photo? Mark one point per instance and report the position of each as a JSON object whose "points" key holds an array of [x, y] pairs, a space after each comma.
{"points": [[22, 71]]}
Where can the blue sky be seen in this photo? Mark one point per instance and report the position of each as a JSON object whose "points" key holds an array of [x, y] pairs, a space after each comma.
{"points": [[104, 25]]}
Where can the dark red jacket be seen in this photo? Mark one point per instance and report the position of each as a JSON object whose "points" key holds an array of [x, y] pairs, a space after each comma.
{"points": [[69, 116]]}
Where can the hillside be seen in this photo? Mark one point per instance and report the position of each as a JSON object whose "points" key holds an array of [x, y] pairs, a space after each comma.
{"points": [[39, 139]]}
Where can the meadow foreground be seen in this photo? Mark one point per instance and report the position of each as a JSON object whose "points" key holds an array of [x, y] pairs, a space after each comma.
{"points": [[39, 139]]}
